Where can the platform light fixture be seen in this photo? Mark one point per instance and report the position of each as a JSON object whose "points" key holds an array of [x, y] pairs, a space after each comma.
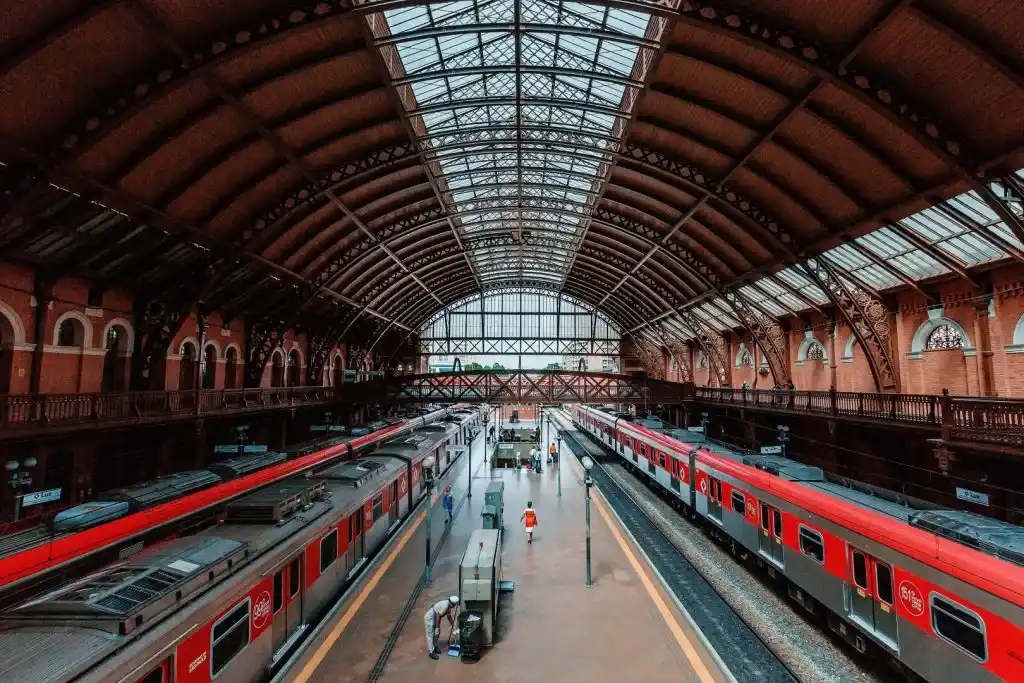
{"points": [[428, 482], [588, 481]]}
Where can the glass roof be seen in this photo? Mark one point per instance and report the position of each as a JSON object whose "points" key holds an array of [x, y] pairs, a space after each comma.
{"points": [[520, 105], [963, 230]]}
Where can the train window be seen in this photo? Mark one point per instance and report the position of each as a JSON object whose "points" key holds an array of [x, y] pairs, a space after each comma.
{"points": [[154, 676], [739, 502], [812, 545], [278, 590], [328, 550], [883, 582], [378, 506], [959, 626], [357, 521], [860, 569], [764, 517], [777, 523], [295, 573], [230, 636]]}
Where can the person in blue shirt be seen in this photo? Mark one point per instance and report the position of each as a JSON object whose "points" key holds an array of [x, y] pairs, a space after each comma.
{"points": [[448, 502]]}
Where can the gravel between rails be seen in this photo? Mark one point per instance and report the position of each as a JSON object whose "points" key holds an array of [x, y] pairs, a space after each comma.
{"points": [[811, 655]]}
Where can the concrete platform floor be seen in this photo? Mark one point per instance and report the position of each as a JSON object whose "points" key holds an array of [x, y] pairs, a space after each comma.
{"points": [[552, 628]]}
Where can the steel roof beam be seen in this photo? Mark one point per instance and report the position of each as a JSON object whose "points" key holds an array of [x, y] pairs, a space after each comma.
{"points": [[419, 77], [554, 102], [525, 27]]}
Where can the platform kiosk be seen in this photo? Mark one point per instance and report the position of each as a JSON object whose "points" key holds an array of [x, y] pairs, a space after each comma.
{"points": [[511, 441], [479, 579], [493, 514]]}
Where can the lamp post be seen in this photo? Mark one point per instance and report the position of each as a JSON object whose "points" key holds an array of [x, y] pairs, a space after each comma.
{"points": [[588, 464], [783, 437], [19, 478], [558, 464], [428, 482]]}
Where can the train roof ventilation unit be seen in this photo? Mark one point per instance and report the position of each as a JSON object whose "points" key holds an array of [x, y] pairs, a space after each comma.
{"points": [[162, 489], [355, 473], [277, 502], [784, 468], [232, 468], [126, 597], [991, 536], [415, 439]]}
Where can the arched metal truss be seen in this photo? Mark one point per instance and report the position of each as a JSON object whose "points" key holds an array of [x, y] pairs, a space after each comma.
{"points": [[368, 164]]}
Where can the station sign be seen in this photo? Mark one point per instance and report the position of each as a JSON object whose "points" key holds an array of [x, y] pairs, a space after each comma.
{"points": [[695, 430], [39, 497], [505, 446], [971, 496], [235, 448], [771, 450], [327, 428]]}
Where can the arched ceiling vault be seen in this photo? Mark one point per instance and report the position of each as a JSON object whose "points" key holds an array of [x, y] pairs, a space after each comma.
{"points": [[372, 163]]}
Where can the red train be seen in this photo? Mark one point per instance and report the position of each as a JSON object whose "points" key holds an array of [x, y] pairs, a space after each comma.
{"points": [[941, 591], [230, 601]]}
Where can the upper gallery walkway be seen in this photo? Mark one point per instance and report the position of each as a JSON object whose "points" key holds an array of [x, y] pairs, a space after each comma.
{"points": [[953, 418]]}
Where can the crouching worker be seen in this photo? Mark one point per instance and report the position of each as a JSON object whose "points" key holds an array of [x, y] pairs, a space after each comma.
{"points": [[432, 622]]}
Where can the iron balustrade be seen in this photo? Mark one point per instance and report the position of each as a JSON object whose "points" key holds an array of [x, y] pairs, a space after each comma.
{"points": [[35, 412], [959, 418]]}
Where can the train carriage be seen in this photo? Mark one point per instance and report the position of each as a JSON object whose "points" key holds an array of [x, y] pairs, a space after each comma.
{"points": [[228, 602], [941, 591]]}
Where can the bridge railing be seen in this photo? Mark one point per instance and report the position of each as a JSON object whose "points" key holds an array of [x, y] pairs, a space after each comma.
{"points": [[961, 418], [26, 412]]}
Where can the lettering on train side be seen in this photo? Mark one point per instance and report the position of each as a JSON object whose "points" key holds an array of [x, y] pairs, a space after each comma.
{"points": [[261, 610], [911, 598], [197, 662]]}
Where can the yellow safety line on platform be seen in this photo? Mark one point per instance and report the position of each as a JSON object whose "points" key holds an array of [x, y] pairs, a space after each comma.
{"points": [[696, 663], [321, 652]]}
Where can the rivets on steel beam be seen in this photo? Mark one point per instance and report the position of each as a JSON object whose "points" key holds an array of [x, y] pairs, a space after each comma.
{"points": [[243, 37], [218, 47], [141, 90], [297, 16]]}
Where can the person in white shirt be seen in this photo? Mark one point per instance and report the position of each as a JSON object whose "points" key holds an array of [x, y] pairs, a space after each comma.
{"points": [[432, 622], [533, 458]]}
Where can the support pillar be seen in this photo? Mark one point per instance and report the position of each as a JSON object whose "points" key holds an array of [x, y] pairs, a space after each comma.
{"points": [[43, 294], [832, 384], [199, 451], [982, 333]]}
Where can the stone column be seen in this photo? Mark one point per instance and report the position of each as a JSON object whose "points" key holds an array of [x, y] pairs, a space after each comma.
{"points": [[983, 346], [832, 354], [43, 296]]}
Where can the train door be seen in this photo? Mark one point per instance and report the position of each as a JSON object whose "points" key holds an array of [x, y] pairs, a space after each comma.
{"points": [[872, 596], [770, 539], [393, 504], [715, 499], [287, 602], [356, 523]]}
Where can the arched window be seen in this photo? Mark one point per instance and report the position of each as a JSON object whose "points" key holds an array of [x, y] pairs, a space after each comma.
{"points": [[294, 368], [746, 360], [114, 367], [944, 337], [209, 366], [70, 333], [276, 370], [187, 369], [815, 352], [230, 359]]}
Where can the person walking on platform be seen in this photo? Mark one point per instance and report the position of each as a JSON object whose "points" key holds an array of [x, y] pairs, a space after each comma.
{"points": [[533, 459], [552, 453], [448, 503], [432, 622], [529, 518]]}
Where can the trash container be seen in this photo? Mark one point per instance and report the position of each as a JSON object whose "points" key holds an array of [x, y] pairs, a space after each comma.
{"points": [[470, 635], [489, 517]]}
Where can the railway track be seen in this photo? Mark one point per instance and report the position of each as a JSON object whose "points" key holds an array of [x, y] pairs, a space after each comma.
{"points": [[747, 656]]}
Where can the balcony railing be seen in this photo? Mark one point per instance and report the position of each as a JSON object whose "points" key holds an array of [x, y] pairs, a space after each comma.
{"points": [[958, 418], [29, 412]]}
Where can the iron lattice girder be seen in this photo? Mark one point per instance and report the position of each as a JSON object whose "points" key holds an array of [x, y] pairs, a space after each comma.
{"points": [[766, 333], [484, 386], [461, 72], [864, 315], [711, 343], [515, 347], [509, 27]]}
